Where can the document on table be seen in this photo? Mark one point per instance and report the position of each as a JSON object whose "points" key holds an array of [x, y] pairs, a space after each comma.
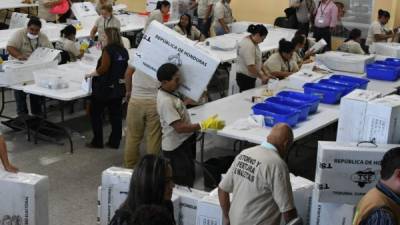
{"points": [[83, 9], [43, 55]]}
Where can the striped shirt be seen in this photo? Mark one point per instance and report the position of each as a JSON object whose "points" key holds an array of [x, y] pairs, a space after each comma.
{"points": [[383, 216]]}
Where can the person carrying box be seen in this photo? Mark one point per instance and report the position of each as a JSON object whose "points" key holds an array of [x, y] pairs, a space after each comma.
{"points": [[178, 133]]}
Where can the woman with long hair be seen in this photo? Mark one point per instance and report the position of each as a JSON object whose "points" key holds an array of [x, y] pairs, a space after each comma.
{"points": [[151, 184], [108, 89], [186, 28]]}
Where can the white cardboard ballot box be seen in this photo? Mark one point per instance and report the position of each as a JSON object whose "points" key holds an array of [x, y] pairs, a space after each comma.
{"points": [[114, 190], [382, 121], [353, 108], [323, 213], [347, 62], [17, 73], [24, 199], [209, 210], [162, 45], [298, 79], [346, 172], [189, 199], [391, 49]]}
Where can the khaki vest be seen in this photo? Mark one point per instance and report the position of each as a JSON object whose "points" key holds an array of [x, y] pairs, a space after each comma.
{"points": [[372, 200]]}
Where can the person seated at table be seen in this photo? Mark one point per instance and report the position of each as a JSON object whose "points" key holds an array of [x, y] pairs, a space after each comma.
{"points": [[299, 42], [309, 41], [352, 43], [68, 44], [101, 3], [4, 157], [151, 183], [378, 32], [20, 46], [106, 20], [178, 133], [44, 8], [282, 64], [222, 18], [161, 12], [108, 89], [250, 58], [186, 28]]}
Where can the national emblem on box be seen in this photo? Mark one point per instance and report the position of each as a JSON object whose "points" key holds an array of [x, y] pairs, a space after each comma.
{"points": [[346, 172]]}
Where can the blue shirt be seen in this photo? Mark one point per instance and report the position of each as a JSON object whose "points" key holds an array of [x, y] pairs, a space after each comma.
{"points": [[383, 216]]}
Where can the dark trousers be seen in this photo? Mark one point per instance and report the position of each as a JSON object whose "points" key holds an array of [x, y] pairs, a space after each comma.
{"points": [[204, 26], [114, 107], [245, 82], [22, 108], [182, 162], [323, 33], [304, 26]]}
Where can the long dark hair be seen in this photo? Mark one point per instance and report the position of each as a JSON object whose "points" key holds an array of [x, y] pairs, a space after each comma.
{"points": [[162, 3], [148, 183], [354, 34], [67, 31], [383, 13], [188, 28], [257, 29]]}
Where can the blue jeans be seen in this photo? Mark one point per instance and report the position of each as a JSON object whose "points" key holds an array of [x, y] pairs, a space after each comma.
{"points": [[204, 26], [219, 30]]}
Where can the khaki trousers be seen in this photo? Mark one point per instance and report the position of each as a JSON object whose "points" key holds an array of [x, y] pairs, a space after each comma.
{"points": [[142, 119]]}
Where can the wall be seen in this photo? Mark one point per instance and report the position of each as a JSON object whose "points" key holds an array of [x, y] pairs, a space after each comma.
{"points": [[264, 11], [267, 10]]}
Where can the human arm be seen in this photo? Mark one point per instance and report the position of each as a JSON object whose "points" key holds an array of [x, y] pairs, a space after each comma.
{"points": [[128, 81], [220, 16], [209, 9], [104, 65], [14, 52], [225, 203], [334, 17], [93, 32], [260, 74], [181, 127], [4, 157]]}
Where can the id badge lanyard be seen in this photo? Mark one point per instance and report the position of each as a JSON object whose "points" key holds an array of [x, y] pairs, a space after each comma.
{"points": [[321, 19]]}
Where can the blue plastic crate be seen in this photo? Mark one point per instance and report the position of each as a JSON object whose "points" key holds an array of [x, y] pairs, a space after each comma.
{"points": [[382, 72], [395, 60], [301, 97], [330, 94], [348, 87], [274, 113], [388, 63], [363, 83], [302, 106]]}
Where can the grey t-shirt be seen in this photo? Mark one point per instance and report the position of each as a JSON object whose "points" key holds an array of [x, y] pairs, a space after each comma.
{"points": [[260, 183], [302, 13]]}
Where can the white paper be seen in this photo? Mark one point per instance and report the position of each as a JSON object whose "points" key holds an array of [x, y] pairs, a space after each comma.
{"points": [[162, 45], [318, 46], [83, 9], [87, 85]]}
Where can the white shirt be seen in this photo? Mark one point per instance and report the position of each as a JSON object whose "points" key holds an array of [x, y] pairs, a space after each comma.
{"points": [[375, 28], [202, 8], [144, 86]]}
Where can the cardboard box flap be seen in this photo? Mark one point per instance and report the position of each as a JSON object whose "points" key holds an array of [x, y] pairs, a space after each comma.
{"points": [[362, 95]]}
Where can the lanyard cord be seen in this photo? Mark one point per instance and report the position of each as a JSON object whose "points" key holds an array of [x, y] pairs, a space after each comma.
{"points": [[323, 10], [30, 44], [170, 93], [108, 22]]}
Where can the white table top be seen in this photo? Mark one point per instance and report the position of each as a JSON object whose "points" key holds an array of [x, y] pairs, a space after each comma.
{"points": [[270, 43], [14, 4], [131, 22], [238, 106]]}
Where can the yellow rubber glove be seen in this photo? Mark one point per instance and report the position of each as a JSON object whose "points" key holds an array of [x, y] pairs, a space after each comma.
{"points": [[78, 26], [212, 123], [84, 46]]}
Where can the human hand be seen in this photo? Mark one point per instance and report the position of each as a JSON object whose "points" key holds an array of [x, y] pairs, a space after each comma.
{"points": [[22, 57], [10, 168]]}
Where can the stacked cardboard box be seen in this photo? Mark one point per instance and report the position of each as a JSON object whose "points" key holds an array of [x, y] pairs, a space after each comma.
{"points": [[24, 199]]}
